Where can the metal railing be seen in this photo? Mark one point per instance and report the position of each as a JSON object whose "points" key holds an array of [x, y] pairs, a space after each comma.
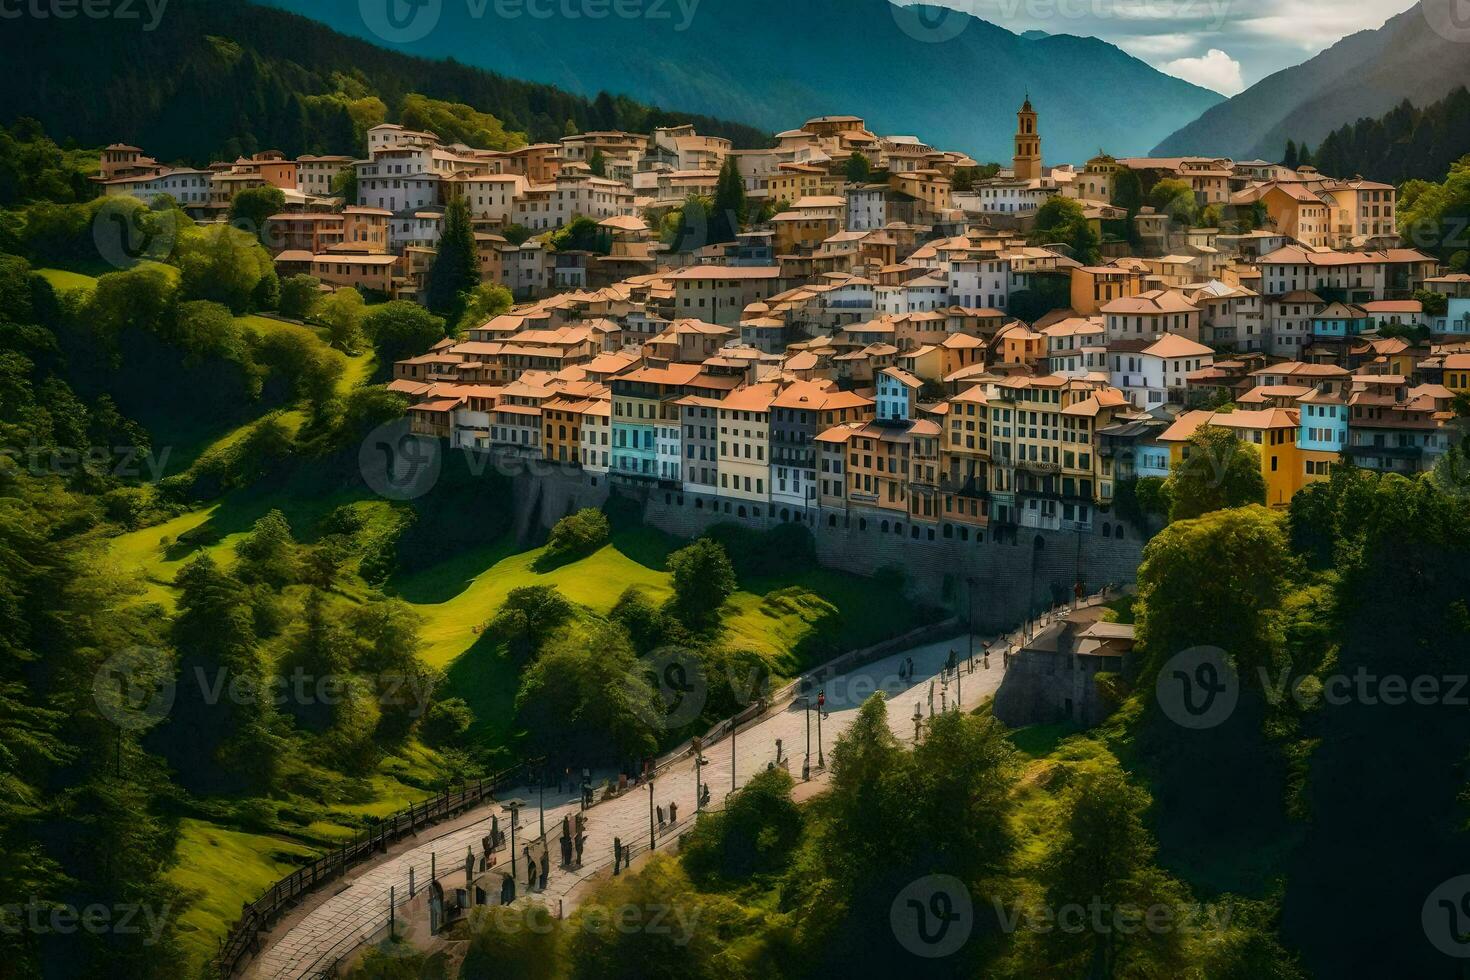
{"points": [[243, 939]]}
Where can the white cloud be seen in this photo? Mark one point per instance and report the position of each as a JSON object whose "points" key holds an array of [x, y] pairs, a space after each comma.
{"points": [[1214, 70], [1156, 45]]}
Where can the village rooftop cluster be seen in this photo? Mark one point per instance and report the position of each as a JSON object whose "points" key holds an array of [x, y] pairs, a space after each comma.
{"points": [[852, 356]]}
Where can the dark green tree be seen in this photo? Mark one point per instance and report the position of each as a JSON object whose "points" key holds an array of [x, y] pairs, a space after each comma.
{"points": [[401, 329], [728, 214], [1219, 470], [703, 580], [455, 270], [251, 207]]}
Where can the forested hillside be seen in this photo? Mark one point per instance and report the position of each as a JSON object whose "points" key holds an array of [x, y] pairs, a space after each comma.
{"points": [[217, 79], [1405, 143]]}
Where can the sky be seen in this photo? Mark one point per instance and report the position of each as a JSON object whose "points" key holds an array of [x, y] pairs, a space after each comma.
{"points": [[1225, 45]]}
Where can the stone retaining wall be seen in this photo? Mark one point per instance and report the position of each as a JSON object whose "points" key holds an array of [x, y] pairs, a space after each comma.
{"points": [[996, 569]]}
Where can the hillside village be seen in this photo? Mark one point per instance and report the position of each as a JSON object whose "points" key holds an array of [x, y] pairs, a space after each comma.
{"points": [[854, 353]]}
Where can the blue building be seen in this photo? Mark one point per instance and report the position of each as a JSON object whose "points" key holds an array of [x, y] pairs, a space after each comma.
{"points": [[898, 390], [1339, 321]]}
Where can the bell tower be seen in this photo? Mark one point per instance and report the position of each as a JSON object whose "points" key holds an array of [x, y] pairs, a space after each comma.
{"points": [[1026, 164]]}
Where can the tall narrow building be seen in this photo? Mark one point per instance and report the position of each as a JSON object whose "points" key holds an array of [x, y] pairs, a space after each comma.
{"points": [[1026, 164]]}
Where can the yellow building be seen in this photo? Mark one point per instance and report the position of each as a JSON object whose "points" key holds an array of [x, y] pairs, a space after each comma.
{"points": [[965, 458], [1273, 431], [1457, 373], [561, 428], [745, 443], [1096, 285]]}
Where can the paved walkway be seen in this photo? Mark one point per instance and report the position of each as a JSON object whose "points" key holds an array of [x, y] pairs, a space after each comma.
{"points": [[358, 912]]}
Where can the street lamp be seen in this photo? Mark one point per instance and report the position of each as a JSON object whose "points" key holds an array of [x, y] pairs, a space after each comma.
{"points": [[821, 703], [698, 744], [652, 840], [514, 808], [806, 764], [970, 616], [1037, 545], [959, 684]]}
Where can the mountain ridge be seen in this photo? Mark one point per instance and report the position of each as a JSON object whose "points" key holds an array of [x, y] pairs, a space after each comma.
{"points": [[1365, 74], [775, 63], [217, 79]]}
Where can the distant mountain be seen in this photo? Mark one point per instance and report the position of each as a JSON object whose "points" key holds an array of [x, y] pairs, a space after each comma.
{"points": [[216, 78], [1419, 55], [948, 78]]}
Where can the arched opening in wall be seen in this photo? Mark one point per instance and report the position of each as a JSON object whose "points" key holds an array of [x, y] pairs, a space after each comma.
{"points": [[897, 528], [964, 534], [914, 532], [755, 511], [979, 536], [740, 512], [862, 523], [594, 481], [931, 534], [884, 527], [727, 507], [680, 500], [785, 514], [1107, 529], [668, 498], [949, 530], [699, 503], [1119, 535], [831, 520]]}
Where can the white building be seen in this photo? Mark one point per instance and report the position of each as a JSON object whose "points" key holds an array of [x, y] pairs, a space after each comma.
{"points": [[1152, 373]]}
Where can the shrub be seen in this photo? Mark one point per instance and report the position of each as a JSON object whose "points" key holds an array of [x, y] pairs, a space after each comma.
{"points": [[575, 536]]}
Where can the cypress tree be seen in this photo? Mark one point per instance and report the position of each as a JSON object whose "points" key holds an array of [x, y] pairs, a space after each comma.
{"points": [[729, 204], [456, 267]]}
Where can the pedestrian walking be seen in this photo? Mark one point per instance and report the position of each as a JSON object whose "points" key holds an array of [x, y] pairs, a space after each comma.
{"points": [[660, 817], [580, 842], [566, 851], [566, 825], [673, 811], [530, 871], [545, 872], [617, 854]]}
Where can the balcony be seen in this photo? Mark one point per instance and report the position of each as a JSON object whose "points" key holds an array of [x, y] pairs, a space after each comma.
{"points": [[963, 488], [1386, 452]]}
